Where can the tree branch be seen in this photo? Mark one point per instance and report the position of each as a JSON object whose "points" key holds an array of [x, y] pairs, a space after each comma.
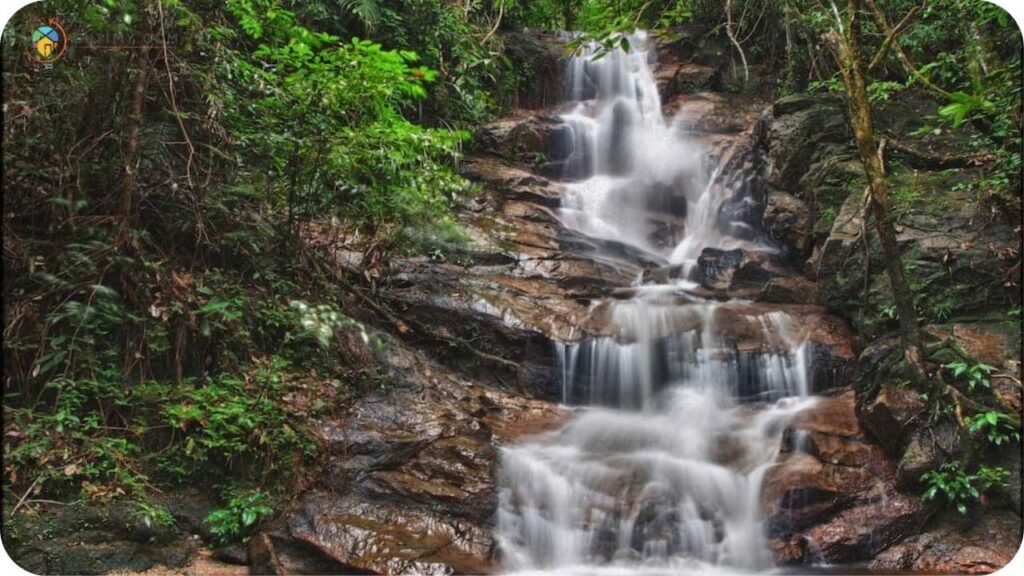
{"points": [[732, 36], [892, 37], [907, 64]]}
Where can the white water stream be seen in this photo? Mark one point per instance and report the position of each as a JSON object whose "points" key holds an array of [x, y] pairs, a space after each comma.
{"points": [[659, 468]]}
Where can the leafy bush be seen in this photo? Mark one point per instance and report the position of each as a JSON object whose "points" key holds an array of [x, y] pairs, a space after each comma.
{"points": [[320, 121], [958, 488], [232, 417], [997, 427], [974, 374], [243, 510]]}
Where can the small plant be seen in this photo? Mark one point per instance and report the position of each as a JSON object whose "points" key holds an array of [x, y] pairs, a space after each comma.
{"points": [[319, 322], [881, 91], [974, 374], [959, 488], [996, 426], [942, 311], [153, 514], [828, 216], [889, 311], [243, 510]]}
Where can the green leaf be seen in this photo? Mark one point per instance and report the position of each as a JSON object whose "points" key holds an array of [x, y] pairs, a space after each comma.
{"points": [[248, 518]]}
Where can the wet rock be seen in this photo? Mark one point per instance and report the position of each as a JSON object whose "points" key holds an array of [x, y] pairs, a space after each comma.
{"points": [[93, 538], [738, 271], [456, 472], [890, 416], [832, 495], [804, 130], [383, 538], [412, 470], [954, 545], [715, 117], [528, 138], [788, 220], [858, 533], [789, 290], [740, 216], [263, 558], [718, 266]]}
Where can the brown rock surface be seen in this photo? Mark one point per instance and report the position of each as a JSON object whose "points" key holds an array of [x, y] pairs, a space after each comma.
{"points": [[837, 502], [956, 546]]}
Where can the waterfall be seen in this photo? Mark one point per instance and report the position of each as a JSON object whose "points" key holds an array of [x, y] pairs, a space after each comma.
{"points": [[639, 180], [680, 404]]}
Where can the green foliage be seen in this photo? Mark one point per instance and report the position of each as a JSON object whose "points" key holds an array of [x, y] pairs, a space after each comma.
{"points": [[883, 90], [320, 322], [997, 427], [833, 84], [606, 25], [242, 511], [958, 488], [233, 417], [974, 374], [941, 311], [154, 514], [322, 121], [369, 12], [827, 216]]}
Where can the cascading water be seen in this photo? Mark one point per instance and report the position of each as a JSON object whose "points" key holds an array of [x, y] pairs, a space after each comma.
{"points": [[640, 181], [682, 402]]}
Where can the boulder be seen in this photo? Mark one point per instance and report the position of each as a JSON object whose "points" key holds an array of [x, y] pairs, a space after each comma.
{"points": [[788, 220], [378, 537], [412, 471], [803, 130], [890, 416], [527, 138], [831, 497], [956, 545], [738, 272], [94, 538]]}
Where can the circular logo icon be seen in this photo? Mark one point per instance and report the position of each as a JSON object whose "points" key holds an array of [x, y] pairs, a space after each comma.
{"points": [[48, 42]]}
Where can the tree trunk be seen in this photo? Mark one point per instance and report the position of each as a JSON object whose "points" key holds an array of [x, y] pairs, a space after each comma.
{"points": [[848, 51], [139, 71]]}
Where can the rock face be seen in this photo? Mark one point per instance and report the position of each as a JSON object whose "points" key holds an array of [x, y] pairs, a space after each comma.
{"points": [[83, 539], [956, 546], [959, 253], [788, 220], [834, 499], [409, 482]]}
